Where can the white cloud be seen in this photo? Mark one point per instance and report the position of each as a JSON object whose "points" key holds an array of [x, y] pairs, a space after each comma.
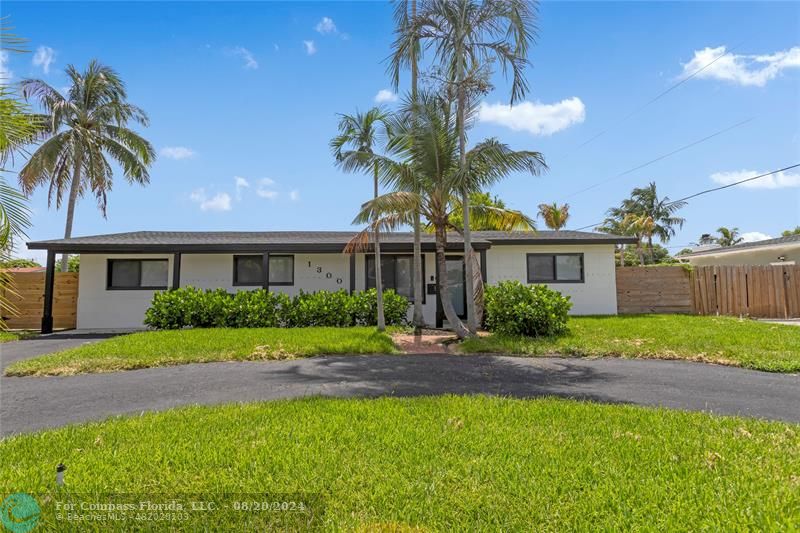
{"points": [[5, 73], [267, 193], [275, 46], [267, 181], [754, 70], [326, 26], [177, 152], [753, 236], [385, 95], [294, 195], [250, 62], [778, 180], [535, 117], [44, 57], [311, 48], [241, 184], [219, 202]]}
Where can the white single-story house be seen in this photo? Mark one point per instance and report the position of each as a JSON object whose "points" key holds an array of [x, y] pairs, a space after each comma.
{"points": [[780, 251], [120, 272]]}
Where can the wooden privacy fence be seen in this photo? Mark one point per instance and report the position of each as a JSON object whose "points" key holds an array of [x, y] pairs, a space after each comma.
{"points": [[653, 290], [29, 300], [757, 291]]}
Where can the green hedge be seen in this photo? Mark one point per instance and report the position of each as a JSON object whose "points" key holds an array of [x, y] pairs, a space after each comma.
{"points": [[191, 307], [532, 311]]}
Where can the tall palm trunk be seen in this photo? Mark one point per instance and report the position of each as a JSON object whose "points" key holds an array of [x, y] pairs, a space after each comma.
{"points": [[444, 284], [622, 255], [418, 319], [74, 189], [461, 103], [378, 270]]}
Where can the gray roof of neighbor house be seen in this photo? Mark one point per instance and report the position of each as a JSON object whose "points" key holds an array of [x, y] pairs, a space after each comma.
{"points": [[299, 241], [791, 240]]}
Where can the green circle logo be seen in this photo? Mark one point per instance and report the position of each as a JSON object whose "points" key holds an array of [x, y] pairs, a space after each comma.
{"points": [[19, 513]]}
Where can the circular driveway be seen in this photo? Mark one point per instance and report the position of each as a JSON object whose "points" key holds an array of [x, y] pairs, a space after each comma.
{"points": [[31, 403]]}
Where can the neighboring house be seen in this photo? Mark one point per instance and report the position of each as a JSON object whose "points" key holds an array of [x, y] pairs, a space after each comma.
{"points": [[783, 250], [120, 272]]}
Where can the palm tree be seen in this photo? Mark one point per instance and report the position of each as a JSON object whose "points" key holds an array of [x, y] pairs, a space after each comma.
{"points": [[555, 216], [615, 225], [483, 216], [84, 130], [360, 133], [406, 52], [467, 35], [728, 236], [641, 226], [644, 203], [423, 166], [18, 127]]}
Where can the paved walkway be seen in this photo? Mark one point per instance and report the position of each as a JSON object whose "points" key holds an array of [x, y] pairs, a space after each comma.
{"points": [[31, 403]]}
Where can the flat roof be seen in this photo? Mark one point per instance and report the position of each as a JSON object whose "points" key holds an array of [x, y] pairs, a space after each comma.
{"points": [[791, 240], [300, 241]]}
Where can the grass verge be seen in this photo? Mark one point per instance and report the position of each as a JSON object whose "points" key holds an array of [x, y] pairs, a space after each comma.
{"points": [[425, 464], [163, 348], [724, 340]]}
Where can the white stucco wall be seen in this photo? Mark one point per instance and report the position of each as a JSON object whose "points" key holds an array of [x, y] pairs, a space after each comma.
{"points": [[597, 295], [99, 308]]}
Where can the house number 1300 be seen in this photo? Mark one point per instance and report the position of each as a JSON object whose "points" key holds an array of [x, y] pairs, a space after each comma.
{"points": [[328, 275]]}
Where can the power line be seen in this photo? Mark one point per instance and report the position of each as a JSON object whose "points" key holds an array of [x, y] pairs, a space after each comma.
{"points": [[707, 191], [656, 98], [659, 158]]}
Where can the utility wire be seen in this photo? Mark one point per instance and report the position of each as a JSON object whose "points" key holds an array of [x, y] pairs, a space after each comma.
{"points": [[659, 158], [714, 189], [655, 98]]}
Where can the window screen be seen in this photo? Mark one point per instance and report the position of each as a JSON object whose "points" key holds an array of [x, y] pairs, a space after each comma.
{"points": [[397, 272], [247, 270], [137, 273], [555, 268]]}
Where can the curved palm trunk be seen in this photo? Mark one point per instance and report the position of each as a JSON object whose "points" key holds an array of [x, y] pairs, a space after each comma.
{"points": [[74, 189], [378, 270], [444, 285], [462, 149]]}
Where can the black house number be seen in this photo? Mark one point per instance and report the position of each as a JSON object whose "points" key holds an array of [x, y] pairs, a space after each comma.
{"points": [[328, 275]]}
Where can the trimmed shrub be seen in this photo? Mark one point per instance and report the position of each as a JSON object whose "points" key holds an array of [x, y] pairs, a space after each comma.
{"points": [[534, 311], [197, 308], [256, 309], [321, 308], [365, 308]]}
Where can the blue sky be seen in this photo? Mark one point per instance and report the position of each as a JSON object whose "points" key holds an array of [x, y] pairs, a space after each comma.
{"points": [[232, 90]]}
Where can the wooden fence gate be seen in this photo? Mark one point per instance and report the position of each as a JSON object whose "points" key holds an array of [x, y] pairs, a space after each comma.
{"points": [[28, 300], [757, 291]]}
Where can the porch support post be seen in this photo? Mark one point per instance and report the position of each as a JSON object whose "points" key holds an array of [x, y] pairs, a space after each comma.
{"points": [[176, 270], [265, 270], [483, 265], [352, 273], [49, 282], [439, 308]]}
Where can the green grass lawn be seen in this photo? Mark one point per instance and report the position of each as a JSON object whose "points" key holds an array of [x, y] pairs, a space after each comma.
{"points": [[725, 340], [426, 464], [8, 336], [163, 348]]}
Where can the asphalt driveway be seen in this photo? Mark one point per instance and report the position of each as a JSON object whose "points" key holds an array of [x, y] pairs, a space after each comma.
{"points": [[31, 403]]}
